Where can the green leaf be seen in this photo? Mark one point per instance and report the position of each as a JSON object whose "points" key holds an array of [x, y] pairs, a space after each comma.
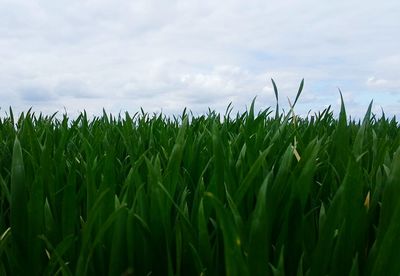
{"points": [[56, 255], [384, 255], [298, 92], [260, 232], [118, 261], [251, 175], [277, 99], [5, 190], [203, 236], [19, 203], [234, 259]]}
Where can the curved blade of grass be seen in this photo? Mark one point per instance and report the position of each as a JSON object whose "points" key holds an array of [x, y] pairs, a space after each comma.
{"points": [[260, 233], [354, 268], [82, 270], [277, 99], [117, 260], [359, 140], [4, 239], [56, 255], [234, 260], [203, 236], [19, 202], [298, 93], [384, 255], [85, 251], [248, 180], [342, 232]]}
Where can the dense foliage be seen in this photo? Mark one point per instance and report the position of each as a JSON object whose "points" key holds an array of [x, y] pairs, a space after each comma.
{"points": [[252, 194]]}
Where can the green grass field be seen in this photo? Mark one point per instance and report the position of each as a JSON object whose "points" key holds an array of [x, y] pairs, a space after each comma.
{"points": [[253, 194]]}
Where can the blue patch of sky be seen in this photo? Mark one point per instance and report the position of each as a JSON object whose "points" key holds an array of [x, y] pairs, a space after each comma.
{"points": [[35, 94], [259, 60]]}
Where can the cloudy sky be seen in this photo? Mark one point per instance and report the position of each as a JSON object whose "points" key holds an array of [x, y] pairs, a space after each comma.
{"points": [[167, 55]]}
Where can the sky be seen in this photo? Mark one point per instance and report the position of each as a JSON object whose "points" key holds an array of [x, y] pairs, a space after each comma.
{"points": [[163, 56]]}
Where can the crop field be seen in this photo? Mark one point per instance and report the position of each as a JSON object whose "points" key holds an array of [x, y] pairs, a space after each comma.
{"points": [[258, 193]]}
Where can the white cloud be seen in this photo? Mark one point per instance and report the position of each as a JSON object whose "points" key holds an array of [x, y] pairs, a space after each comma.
{"points": [[379, 83], [168, 55], [372, 81]]}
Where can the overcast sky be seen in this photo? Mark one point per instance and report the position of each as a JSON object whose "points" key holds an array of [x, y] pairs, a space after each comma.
{"points": [[167, 55]]}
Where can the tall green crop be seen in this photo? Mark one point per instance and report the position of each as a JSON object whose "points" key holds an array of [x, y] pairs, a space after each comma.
{"points": [[263, 193], [18, 207]]}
